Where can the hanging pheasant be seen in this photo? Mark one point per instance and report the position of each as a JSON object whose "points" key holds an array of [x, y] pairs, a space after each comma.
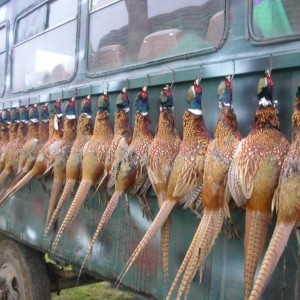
{"points": [[59, 166], [74, 162], [4, 132], [215, 199], [131, 176], [32, 133], [13, 129], [16, 145], [187, 172], [94, 154], [161, 155], [252, 178], [38, 134], [287, 202], [119, 145], [45, 159]]}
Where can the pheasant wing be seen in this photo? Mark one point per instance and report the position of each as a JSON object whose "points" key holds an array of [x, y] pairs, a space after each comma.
{"points": [[189, 176]]}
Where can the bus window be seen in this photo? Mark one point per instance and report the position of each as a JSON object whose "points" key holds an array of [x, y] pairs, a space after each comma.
{"points": [[49, 47], [2, 58], [62, 10], [33, 24], [148, 30], [275, 18]]}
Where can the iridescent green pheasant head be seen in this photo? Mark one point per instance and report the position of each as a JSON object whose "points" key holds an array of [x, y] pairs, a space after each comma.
{"points": [[103, 103], [194, 98], [45, 113], [24, 114], [123, 101], [166, 98], [70, 109], [15, 115], [86, 107], [265, 90], [34, 114], [142, 101]]}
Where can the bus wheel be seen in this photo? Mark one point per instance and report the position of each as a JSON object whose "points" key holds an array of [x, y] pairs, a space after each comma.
{"points": [[22, 273]]}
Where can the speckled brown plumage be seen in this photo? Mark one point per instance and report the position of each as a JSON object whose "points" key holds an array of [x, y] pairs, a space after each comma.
{"points": [[286, 200], [185, 178], [161, 155], [214, 199], [4, 136], [44, 161], [12, 157], [94, 154], [12, 133], [121, 141], [252, 179], [73, 166], [131, 176], [38, 134], [60, 162]]}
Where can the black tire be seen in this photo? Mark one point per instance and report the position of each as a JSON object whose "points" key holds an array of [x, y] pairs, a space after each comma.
{"points": [[23, 273]]}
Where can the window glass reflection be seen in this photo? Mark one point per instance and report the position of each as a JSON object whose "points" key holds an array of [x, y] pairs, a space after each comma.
{"points": [[275, 18], [147, 30], [49, 58], [61, 11], [32, 24]]}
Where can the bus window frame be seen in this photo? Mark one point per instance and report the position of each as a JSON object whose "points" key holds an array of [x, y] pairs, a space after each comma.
{"points": [[23, 15], [155, 62], [265, 41], [101, 6], [6, 26]]}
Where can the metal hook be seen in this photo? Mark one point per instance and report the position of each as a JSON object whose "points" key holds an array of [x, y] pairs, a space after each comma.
{"points": [[233, 72], [173, 79], [105, 91], [148, 79], [127, 83], [271, 64], [201, 74]]}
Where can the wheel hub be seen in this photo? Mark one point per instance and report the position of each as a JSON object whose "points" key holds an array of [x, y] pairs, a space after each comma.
{"points": [[9, 282]]}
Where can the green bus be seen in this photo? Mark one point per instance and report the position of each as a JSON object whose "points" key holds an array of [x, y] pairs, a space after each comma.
{"points": [[63, 48]]}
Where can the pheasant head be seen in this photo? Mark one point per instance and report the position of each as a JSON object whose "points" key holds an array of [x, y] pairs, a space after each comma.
{"points": [[123, 100]]}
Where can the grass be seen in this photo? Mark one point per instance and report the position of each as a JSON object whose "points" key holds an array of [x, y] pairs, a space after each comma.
{"points": [[95, 291]]}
